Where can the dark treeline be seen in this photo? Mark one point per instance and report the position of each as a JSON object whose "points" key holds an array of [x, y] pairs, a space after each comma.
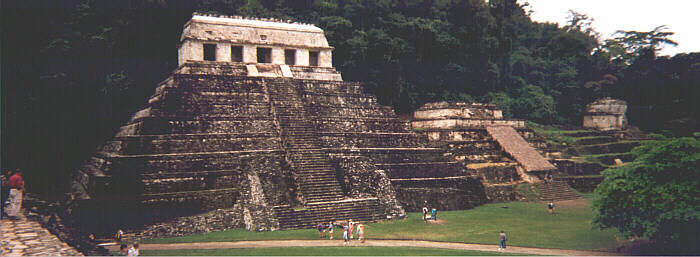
{"points": [[74, 71]]}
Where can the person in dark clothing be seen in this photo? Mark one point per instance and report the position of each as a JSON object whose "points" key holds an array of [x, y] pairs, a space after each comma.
{"points": [[5, 194], [550, 207], [122, 250], [321, 229]]}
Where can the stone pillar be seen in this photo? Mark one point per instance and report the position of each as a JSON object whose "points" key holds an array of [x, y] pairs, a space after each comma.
{"points": [[325, 58], [250, 54], [223, 52], [302, 57], [277, 55], [190, 50]]}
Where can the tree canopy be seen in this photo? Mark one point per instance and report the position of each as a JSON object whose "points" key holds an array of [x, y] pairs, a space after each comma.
{"points": [[655, 196]]}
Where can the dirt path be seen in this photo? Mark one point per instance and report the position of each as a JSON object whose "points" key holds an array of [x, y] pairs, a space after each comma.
{"points": [[386, 243]]}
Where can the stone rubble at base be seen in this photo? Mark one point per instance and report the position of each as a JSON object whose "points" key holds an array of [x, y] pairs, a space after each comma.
{"points": [[25, 237]]}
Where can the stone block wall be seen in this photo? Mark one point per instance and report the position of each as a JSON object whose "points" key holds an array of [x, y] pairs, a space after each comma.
{"points": [[606, 114], [191, 152], [444, 194], [352, 124]]}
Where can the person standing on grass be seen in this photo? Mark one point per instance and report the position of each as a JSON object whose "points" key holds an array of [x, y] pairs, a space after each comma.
{"points": [[346, 239], [16, 184], [351, 224], [361, 233], [434, 214], [330, 229], [425, 213], [320, 229], [550, 207], [134, 250], [502, 243]]}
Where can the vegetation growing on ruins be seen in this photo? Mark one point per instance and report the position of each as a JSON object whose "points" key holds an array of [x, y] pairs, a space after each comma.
{"points": [[527, 224], [79, 69], [655, 196]]}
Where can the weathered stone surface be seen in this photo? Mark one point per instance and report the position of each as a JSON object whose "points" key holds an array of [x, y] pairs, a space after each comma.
{"points": [[606, 114], [447, 193], [249, 36], [360, 178], [217, 148], [25, 236], [469, 133]]}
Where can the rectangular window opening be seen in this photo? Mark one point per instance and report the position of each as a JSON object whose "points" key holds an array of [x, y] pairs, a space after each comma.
{"points": [[313, 58], [210, 52], [290, 56], [236, 53], [264, 55]]}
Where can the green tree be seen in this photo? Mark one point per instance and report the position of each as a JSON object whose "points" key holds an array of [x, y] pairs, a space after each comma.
{"points": [[628, 45], [655, 196]]}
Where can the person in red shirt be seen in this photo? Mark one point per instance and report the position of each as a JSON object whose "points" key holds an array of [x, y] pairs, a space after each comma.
{"points": [[16, 184]]}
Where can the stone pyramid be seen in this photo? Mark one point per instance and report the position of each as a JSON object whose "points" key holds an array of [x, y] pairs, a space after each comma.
{"points": [[266, 145]]}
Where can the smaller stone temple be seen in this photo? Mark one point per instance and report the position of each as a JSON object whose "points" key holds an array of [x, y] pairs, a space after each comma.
{"points": [[606, 114], [503, 153]]}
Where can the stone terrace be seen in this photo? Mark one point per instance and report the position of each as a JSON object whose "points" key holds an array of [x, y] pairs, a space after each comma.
{"points": [[267, 153], [469, 132]]}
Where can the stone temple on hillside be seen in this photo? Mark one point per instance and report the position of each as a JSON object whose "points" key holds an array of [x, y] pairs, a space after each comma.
{"points": [[502, 153], [606, 114], [256, 129]]}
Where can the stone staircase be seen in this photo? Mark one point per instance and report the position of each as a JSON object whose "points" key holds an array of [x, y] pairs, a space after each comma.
{"points": [[557, 190], [322, 196], [519, 149], [359, 210], [314, 173]]}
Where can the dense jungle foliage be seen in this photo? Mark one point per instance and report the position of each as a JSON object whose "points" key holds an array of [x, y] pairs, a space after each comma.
{"points": [[74, 71], [657, 196]]}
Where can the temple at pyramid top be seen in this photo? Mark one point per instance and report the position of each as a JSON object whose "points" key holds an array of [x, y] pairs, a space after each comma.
{"points": [[253, 41]]}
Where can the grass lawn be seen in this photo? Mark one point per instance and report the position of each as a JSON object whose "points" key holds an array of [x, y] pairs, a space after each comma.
{"points": [[326, 251], [526, 224]]}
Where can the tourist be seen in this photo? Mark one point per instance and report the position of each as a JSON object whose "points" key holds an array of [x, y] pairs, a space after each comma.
{"points": [[361, 233], [502, 244], [434, 214], [351, 224], [16, 184], [330, 229], [550, 207], [118, 236], [123, 250], [346, 239], [425, 213], [134, 250], [5, 194], [320, 229]]}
